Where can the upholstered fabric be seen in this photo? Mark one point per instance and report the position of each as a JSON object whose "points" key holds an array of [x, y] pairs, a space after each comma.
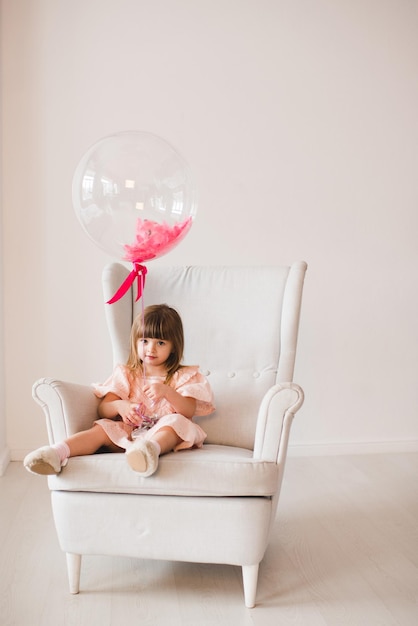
{"points": [[203, 530], [232, 319], [209, 471]]}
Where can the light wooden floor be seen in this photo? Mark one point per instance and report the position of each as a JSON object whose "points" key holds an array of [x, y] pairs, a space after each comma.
{"points": [[344, 552]]}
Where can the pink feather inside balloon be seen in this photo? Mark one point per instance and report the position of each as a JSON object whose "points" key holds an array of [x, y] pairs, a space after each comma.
{"points": [[153, 239]]}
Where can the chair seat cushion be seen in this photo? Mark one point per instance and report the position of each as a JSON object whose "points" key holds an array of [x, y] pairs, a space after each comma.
{"points": [[213, 470]]}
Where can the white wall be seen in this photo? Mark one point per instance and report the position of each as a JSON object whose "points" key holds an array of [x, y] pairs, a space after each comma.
{"points": [[299, 120]]}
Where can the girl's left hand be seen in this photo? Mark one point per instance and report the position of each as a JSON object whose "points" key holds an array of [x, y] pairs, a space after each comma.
{"points": [[155, 391]]}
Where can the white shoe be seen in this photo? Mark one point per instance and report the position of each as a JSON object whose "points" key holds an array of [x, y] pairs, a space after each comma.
{"points": [[143, 457], [43, 461]]}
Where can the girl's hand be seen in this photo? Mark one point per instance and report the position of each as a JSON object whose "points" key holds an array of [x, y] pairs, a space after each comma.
{"points": [[113, 406], [181, 404], [155, 391], [130, 412]]}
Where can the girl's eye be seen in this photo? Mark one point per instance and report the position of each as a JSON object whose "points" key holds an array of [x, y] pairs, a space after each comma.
{"points": [[161, 343]]}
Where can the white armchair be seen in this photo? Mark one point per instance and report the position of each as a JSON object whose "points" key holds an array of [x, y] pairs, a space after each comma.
{"points": [[210, 505]]}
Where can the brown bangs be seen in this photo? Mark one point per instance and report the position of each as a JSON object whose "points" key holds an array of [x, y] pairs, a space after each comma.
{"points": [[156, 326]]}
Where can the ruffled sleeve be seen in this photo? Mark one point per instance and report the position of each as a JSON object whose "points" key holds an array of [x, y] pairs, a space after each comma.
{"points": [[117, 383], [189, 381]]}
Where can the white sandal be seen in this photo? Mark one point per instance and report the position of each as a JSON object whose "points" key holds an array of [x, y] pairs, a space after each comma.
{"points": [[143, 457]]}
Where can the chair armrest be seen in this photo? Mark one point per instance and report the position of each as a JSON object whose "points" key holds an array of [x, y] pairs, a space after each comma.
{"points": [[68, 407], [275, 417]]}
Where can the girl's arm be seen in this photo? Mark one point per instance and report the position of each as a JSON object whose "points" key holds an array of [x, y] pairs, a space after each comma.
{"points": [[183, 404], [113, 406]]}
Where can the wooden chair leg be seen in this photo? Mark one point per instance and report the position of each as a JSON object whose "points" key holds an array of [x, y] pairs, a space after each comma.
{"points": [[73, 569], [250, 577]]}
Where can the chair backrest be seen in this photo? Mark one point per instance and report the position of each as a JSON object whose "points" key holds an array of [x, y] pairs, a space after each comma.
{"points": [[240, 325]]}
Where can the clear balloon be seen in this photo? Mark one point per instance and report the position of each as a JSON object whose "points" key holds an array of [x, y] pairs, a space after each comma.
{"points": [[134, 196]]}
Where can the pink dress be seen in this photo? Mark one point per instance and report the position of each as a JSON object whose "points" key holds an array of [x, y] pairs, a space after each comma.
{"points": [[187, 381]]}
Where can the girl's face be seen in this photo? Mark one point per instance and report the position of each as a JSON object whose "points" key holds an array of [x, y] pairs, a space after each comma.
{"points": [[154, 352]]}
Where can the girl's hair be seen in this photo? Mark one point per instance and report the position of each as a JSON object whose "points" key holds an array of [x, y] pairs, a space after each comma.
{"points": [[159, 321]]}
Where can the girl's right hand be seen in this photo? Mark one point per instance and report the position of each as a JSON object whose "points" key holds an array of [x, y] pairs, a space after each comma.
{"points": [[112, 407], [130, 412]]}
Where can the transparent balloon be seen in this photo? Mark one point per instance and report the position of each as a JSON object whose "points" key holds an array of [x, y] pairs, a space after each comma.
{"points": [[134, 196]]}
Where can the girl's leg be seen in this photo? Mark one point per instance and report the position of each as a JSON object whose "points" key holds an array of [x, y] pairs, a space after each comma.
{"points": [[89, 441], [50, 459], [167, 439]]}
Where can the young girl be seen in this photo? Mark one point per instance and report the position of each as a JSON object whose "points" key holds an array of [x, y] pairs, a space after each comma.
{"points": [[146, 406]]}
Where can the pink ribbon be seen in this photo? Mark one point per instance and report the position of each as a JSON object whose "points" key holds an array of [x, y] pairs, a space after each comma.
{"points": [[139, 272]]}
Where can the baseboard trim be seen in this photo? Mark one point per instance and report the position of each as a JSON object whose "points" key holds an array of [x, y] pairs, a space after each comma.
{"points": [[4, 460], [355, 447]]}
